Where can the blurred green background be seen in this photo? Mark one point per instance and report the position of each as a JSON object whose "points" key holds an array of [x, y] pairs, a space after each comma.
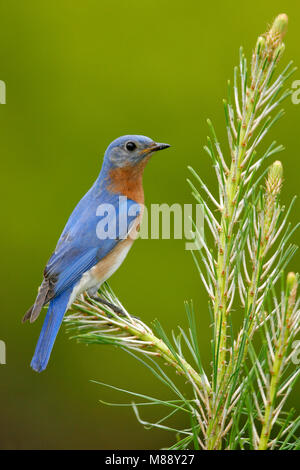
{"points": [[78, 75]]}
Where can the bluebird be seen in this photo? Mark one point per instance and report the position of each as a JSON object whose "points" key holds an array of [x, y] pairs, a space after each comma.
{"points": [[82, 259]]}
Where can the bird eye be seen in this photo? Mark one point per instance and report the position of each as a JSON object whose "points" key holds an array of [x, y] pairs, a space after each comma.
{"points": [[130, 146]]}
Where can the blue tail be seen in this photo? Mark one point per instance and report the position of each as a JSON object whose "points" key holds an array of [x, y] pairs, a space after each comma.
{"points": [[49, 331]]}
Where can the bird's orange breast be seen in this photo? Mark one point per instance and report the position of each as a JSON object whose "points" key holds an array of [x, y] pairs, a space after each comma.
{"points": [[128, 181]]}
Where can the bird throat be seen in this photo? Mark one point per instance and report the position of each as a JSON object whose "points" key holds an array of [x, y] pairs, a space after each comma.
{"points": [[128, 181]]}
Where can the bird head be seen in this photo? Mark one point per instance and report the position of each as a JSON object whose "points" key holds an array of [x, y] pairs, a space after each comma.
{"points": [[131, 150]]}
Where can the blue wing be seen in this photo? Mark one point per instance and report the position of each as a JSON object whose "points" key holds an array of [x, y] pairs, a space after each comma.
{"points": [[79, 247]]}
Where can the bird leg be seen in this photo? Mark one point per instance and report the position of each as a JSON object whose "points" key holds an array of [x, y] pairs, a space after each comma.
{"points": [[109, 304]]}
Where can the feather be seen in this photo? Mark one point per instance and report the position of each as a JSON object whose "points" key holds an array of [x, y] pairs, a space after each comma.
{"points": [[35, 310], [49, 331]]}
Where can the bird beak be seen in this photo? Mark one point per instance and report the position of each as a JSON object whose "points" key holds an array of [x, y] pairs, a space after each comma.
{"points": [[156, 147]]}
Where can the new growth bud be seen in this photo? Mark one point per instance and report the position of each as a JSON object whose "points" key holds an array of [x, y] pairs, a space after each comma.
{"points": [[279, 26], [275, 35], [292, 284], [274, 178], [273, 186]]}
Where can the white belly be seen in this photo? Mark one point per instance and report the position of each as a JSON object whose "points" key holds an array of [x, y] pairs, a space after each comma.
{"points": [[101, 271]]}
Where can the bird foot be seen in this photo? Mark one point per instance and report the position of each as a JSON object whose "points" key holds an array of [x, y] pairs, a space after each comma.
{"points": [[116, 309]]}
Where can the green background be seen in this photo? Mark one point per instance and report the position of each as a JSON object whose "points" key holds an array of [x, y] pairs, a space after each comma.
{"points": [[78, 75]]}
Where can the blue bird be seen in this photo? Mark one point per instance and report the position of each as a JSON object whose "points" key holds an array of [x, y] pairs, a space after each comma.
{"points": [[96, 238]]}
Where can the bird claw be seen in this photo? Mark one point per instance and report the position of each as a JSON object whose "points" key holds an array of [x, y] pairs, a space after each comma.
{"points": [[116, 309]]}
